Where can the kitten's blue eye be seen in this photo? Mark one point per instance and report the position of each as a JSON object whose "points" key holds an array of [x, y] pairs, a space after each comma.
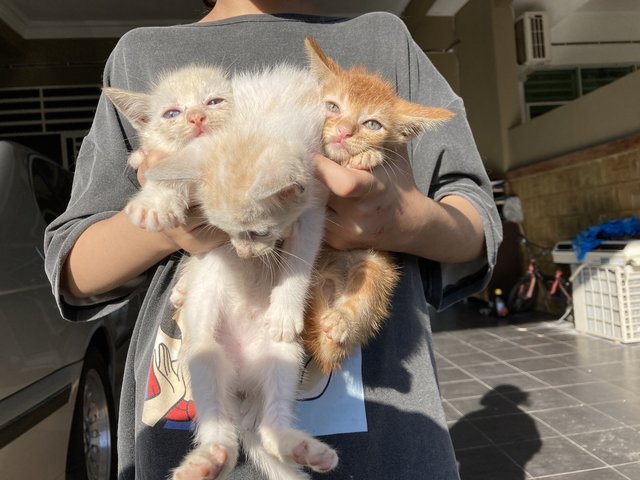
{"points": [[215, 101], [171, 113], [332, 107], [372, 125]]}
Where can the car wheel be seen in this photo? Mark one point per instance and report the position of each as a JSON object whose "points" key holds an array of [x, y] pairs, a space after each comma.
{"points": [[91, 453]]}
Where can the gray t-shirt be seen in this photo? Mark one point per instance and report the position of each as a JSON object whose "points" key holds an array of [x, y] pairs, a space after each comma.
{"points": [[383, 411]]}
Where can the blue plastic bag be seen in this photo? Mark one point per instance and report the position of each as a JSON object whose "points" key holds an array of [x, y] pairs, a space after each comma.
{"points": [[590, 238]]}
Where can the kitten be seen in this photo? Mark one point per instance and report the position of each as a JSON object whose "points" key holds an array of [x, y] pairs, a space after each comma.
{"points": [[243, 303], [352, 290], [183, 105]]}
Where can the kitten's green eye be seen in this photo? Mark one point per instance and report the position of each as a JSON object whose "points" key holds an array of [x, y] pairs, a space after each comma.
{"points": [[332, 107], [172, 113], [372, 125], [215, 101], [260, 234]]}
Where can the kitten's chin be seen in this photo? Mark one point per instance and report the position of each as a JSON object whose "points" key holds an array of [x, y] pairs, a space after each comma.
{"points": [[336, 152]]}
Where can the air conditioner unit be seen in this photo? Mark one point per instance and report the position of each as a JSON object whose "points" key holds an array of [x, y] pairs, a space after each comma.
{"points": [[533, 46]]}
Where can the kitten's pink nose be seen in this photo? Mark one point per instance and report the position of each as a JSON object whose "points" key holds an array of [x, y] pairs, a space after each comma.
{"points": [[197, 118], [344, 131]]}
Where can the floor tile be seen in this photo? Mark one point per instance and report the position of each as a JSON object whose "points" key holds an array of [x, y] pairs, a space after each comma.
{"points": [[473, 358], [465, 435], [614, 371], [487, 463], [627, 412], [612, 446], [488, 370], [543, 399], [450, 413], [631, 471], [551, 456], [490, 405], [454, 349], [515, 428], [514, 353], [599, 392], [451, 374], [563, 376], [598, 474], [518, 381], [579, 419], [554, 349], [536, 364], [463, 389]]}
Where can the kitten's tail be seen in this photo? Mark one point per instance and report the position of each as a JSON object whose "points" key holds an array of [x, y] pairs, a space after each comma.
{"points": [[273, 468]]}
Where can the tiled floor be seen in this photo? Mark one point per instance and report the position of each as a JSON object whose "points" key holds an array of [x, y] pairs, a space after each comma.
{"points": [[534, 399]]}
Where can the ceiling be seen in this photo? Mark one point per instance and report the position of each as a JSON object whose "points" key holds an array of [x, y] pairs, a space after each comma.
{"points": [[41, 19]]}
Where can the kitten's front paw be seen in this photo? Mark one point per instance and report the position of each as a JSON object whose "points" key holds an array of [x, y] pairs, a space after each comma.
{"points": [[283, 326], [204, 463], [157, 214]]}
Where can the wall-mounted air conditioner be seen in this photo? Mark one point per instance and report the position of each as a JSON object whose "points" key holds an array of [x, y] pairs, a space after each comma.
{"points": [[533, 45]]}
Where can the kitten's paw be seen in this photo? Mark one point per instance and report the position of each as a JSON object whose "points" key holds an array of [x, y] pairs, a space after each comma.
{"points": [[178, 293], [156, 215], [316, 455], [283, 326], [207, 462], [336, 326]]}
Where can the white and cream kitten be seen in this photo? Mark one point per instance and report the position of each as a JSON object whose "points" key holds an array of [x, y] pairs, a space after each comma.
{"points": [[184, 104], [244, 303]]}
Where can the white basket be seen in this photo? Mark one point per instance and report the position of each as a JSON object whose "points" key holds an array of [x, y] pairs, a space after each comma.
{"points": [[606, 301]]}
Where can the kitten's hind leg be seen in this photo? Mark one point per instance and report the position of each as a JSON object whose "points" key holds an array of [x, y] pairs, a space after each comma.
{"points": [[279, 384], [212, 380]]}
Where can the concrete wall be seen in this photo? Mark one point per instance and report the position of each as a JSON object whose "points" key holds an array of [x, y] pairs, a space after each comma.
{"points": [[608, 113], [489, 77]]}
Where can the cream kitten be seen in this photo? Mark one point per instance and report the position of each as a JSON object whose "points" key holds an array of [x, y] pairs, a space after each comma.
{"points": [[184, 104], [352, 290], [243, 304]]}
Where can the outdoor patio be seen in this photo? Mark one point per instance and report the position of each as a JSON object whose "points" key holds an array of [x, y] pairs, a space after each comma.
{"points": [[534, 399]]}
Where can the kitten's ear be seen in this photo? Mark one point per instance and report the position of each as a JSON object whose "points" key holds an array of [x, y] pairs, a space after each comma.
{"points": [[269, 186], [415, 118], [321, 65], [134, 105]]}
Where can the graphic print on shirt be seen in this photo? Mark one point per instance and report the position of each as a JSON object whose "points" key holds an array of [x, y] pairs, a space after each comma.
{"points": [[327, 403]]}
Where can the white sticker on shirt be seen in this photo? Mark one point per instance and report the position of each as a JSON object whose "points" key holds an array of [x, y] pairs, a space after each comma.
{"points": [[333, 403]]}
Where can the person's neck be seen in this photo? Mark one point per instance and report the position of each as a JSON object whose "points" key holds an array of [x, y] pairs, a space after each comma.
{"points": [[233, 8]]}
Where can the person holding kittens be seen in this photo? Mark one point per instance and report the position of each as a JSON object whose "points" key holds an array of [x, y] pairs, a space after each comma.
{"points": [[433, 209]]}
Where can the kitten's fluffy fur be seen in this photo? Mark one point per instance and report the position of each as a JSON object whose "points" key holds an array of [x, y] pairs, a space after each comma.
{"points": [[352, 289], [183, 105], [243, 304]]}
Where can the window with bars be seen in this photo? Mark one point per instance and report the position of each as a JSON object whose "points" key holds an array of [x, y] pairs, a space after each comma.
{"points": [[545, 90], [50, 119]]}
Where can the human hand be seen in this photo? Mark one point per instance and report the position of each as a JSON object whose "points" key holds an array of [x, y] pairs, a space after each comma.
{"points": [[380, 208]]}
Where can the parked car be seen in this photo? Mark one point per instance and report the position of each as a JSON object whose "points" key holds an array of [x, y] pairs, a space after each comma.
{"points": [[58, 379]]}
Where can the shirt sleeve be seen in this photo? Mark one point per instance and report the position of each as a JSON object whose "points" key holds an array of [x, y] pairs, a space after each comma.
{"points": [[446, 162], [103, 182]]}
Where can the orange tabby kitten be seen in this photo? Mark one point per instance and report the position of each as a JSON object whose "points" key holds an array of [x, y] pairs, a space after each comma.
{"points": [[352, 291]]}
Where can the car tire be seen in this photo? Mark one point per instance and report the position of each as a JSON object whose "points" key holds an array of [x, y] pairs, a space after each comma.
{"points": [[91, 453]]}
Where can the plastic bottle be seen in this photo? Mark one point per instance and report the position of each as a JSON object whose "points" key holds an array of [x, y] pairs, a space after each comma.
{"points": [[500, 306]]}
